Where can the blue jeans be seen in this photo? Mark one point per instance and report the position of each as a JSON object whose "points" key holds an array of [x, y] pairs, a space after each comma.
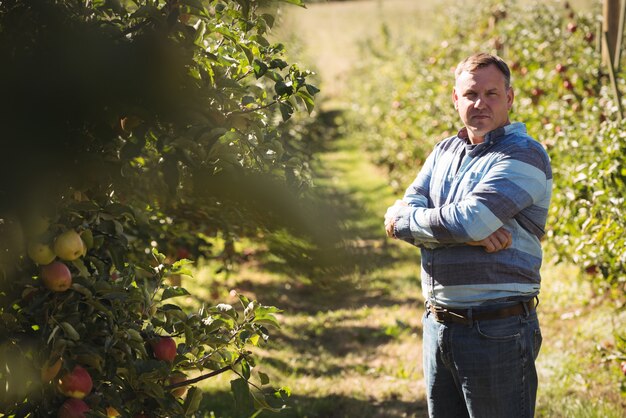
{"points": [[482, 370]]}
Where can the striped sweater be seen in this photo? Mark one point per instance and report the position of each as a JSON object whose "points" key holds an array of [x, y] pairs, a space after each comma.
{"points": [[465, 192]]}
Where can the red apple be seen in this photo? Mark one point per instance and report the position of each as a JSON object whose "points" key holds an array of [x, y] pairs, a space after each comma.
{"points": [[164, 348], [76, 384], [568, 85], [571, 27], [73, 408], [182, 252], [560, 68], [56, 276], [590, 37]]}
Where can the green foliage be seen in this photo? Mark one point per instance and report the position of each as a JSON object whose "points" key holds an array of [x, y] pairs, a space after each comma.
{"points": [[561, 95], [156, 130], [404, 106]]}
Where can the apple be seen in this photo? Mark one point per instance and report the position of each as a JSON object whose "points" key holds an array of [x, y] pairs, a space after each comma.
{"points": [[69, 245], [73, 408], [76, 384], [178, 377], [112, 412], [56, 276], [49, 371], [571, 27], [590, 37], [568, 85], [41, 253], [560, 68], [182, 252], [164, 348]]}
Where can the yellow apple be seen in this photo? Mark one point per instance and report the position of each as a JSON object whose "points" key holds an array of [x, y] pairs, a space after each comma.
{"points": [[40, 253], [69, 246]]}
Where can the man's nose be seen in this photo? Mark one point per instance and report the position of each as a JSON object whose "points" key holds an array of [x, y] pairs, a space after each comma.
{"points": [[479, 103]]}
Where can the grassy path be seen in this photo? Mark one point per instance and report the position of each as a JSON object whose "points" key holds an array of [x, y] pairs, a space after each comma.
{"points": [[350, 342]]}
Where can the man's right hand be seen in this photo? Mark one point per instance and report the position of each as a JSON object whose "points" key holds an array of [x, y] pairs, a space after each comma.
{"points": [[497, 241]]}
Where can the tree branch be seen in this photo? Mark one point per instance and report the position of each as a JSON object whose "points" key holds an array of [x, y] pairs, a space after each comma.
{"points": [[204, 376]]}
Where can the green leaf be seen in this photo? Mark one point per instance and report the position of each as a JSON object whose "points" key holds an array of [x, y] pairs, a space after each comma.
{"points": [[269, 19], [264, 378], [274, 76], [308, 100], [69, 331], [312, 89], [241, 393], [192, 401], [259, 68], [283, 88], [286, 110], [80, 266], [278, 63], [173, 292], [197, 4]]}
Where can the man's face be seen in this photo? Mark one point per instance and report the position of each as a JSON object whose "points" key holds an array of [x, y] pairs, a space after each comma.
{"points": [[483, 101]]}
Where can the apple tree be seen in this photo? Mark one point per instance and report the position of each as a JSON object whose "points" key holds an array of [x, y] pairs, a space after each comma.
{"points": [[137, 135]]}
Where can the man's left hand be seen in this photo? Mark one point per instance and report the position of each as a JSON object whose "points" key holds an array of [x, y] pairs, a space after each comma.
{"points": [[390, 217]]}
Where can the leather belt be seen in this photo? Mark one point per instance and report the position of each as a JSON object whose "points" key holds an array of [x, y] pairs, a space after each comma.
{"points": [[462, 316]]}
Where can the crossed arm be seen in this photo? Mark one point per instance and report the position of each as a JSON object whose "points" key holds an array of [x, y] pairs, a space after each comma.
{"points": [[498, 240]]}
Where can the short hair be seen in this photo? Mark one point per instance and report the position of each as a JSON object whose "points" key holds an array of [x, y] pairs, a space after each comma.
{"points": [[481, 60]]}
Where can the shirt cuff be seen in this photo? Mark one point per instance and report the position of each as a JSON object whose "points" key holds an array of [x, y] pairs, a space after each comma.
{"points": [[402, 224]]}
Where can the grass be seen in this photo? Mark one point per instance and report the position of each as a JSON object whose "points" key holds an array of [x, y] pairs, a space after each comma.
{"points": [[352, 347], [350, 337]]}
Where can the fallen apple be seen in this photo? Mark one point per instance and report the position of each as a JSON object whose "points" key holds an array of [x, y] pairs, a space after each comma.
{"points": [[73, 408], [56, 276], [69, 246], [76, 384], [164, 348], [41, 253]]}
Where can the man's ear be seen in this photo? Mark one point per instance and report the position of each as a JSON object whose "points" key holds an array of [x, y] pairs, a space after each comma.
{"points": [[455, 98], [510, 97]]}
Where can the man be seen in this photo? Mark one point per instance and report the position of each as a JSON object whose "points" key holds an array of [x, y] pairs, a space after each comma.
{"points": [[477, 210]]}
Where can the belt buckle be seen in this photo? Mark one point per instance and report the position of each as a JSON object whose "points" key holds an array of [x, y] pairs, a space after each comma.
{"points": [[438, 312], [441, 314]]}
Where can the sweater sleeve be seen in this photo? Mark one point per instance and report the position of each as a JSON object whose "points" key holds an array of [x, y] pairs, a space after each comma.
{"points": [[508, 186]]}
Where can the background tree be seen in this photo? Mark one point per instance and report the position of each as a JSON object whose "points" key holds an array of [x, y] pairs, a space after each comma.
{"points": [[136, 134]]}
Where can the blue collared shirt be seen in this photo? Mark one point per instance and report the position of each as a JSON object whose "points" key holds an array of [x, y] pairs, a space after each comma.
{"points": [[465, 192]]}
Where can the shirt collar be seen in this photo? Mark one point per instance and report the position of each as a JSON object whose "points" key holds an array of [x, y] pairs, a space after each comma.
{"points": [[493, 136]]}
